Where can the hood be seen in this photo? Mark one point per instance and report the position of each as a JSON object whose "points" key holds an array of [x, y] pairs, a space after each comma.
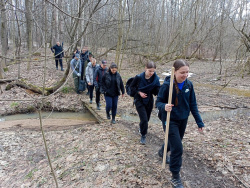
{"points": [[167, 80]]}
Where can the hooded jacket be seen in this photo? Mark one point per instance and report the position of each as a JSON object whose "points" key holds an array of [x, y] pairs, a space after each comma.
{"points": [[186, 102], [90, 71], [76, 66]]}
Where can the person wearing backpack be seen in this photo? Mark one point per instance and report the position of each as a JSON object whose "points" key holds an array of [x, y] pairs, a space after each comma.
{"points": [[111, 86], [143, 87], [183, 101], [100, 71]]}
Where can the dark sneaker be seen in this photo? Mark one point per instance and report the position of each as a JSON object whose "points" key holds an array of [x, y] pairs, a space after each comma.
{"points": [[143, 140], [98, 107], [90, 101], [113, 121], [87, 93], [56, 68], [62, 69], [176, 183], [108, 115], [100, 104], [160, 153]]}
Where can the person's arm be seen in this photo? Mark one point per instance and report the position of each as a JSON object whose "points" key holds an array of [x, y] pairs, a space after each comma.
{"points": [[134, 85], [162, 98], [73, 67], [52, 49], [122, 86], [96, 76], [87, 74], [80, 66], [103, 88], [194, 108]]}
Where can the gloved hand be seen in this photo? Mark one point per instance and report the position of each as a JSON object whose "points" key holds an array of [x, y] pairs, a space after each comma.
{"points": [[78, 74]]}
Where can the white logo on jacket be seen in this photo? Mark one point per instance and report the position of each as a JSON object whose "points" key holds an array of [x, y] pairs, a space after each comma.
{"points": [[187, 90]]}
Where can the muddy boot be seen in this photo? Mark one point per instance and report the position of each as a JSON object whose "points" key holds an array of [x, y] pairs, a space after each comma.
{"points": [[176, 181]]}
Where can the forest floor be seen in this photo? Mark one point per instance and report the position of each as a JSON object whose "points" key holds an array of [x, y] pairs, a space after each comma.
{"points": [[87, 154]]}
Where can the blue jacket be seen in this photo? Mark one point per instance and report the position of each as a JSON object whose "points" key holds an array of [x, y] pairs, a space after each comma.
{"points": [[186, 102]]}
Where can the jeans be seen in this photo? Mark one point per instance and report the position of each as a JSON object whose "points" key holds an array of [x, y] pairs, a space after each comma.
{"points": [[111, 102]]}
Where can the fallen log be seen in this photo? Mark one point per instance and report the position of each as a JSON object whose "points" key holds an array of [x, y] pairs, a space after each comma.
{"points": [[7, 80]]}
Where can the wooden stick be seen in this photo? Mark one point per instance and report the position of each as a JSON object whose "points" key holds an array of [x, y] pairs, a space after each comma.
{"points": [[168, 118]]}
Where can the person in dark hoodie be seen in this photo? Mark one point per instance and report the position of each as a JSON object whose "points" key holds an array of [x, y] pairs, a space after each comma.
{"points": [[100, 71], [143, 87], [111, 86], [58, 52], [183, 101]]}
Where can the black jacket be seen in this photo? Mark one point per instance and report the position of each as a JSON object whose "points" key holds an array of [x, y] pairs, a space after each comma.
{"points": [[186, 102], [99, 72], [109, 89], [58, 51], [134, 89]]}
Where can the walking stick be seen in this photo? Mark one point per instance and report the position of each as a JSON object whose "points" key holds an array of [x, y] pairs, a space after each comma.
{"points": [[168, 118]]}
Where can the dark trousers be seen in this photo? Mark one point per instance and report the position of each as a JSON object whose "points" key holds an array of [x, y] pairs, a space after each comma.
{"points": [[111, 102], [98, 94], [144, 111], [176, 132], [91, 90], [60, 61]]}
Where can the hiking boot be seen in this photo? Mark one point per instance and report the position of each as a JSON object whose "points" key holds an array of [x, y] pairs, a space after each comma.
{"points": [[98, 107], [143, 140], [90, 101], [100, 104], [87, 93], [176, 183], [113, 121], [62, 69], [56, 68], [108, 115], [160, 153]]}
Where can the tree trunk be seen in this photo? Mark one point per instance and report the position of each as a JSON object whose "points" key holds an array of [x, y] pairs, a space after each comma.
{"points": [[4, 37], [29, 26]]}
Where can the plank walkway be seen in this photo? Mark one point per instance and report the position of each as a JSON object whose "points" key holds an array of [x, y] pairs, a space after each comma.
{"points": [[100, 115]]}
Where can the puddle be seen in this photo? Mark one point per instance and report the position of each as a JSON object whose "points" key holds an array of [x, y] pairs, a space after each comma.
{"points": [[51, 121], [84, 116], [206, 116]]}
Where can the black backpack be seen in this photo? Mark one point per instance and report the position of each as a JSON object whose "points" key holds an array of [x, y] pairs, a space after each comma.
{"points": [[128, 88]]}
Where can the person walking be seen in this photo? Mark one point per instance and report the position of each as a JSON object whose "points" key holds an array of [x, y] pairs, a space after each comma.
{"points": [[90, 71], [58, 52], [111, 86], [76, 66], [144, 86], [183, 101], [84, 55], [100, 71]]}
